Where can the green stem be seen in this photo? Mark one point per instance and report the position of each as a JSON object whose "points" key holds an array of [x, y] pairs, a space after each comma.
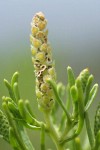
{"points": [[42, 137], [89, 130], [66, 130], [52, 131], [96, 147], [97, 141], [78, 144]]}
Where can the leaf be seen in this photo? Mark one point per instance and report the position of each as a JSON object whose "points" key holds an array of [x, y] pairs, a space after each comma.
{"points": [[13, 140], [54, 87], [71, 78], [80, 106], [16, 91], [9, 89], [27, 104], [92, 95], [24, 113], [14, 78], [14, 110], [74, 93], [88, 88]]}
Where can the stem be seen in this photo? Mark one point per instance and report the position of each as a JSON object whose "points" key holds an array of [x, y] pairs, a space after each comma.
{"points": [[78, 144], [66, 130], [89, 130], [97, 141], [96, 147], [52, 131], [42, 137]]}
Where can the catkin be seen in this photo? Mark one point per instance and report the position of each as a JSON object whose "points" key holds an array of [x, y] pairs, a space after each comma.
{"points": [[42, 61]]}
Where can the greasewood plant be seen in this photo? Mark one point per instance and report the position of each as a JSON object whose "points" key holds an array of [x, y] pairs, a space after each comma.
{"points": [[17, 115]]}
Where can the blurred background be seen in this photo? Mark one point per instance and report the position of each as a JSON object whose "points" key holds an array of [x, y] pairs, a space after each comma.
{"points": [[74, 33]]}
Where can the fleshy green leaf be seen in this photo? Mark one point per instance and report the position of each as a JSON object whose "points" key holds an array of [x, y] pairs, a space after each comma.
{"points": [[88, 88], [74, 93], [97, 120], [13, 140], [71, 78], [24, 113], [4, 126], [53, 84], [16, 91], [14, 78], [9, 89], [92, 95]]}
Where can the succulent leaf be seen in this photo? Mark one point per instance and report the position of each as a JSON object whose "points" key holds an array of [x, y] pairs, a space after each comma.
{"points": [[97, 121], [4, 126]]}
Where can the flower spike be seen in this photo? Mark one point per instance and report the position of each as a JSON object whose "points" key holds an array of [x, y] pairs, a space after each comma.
{"points": [[42, 60]]}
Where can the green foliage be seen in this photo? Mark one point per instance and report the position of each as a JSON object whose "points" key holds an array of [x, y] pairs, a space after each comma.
{"points": [[4, 127], [18, 114], [97, 121]]}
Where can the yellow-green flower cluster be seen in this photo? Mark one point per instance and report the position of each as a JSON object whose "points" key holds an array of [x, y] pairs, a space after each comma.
{"points": [[42, 60]]}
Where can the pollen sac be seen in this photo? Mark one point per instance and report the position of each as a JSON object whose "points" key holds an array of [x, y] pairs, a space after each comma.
{"points": [[37, 43], [48, 101], [44, 67], [42, 25], [39, 94], [33, 50], [40, 56], [46, 78], [51, 71], [44, 87], [44, 47], [40, 35], [34, 30], [40, 15]]}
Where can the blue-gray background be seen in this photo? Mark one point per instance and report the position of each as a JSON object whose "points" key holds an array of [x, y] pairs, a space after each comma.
{"points": [[74, 33]]}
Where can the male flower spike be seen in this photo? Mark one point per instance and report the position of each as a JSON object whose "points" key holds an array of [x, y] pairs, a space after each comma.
{"points": [[42, 60]]}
